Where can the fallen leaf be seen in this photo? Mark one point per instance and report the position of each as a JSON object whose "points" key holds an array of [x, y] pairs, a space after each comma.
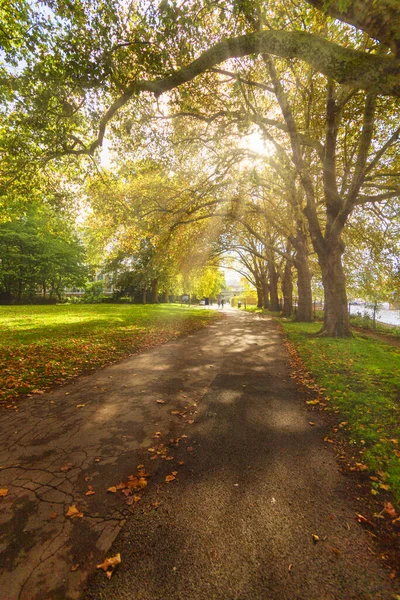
{"points": [[290, 567], [160, 401], [67, 467], [53, 515], [362, 519], [390, 509], [89, 493], [75, 567], [109, 564], [80, 405], [73, 512], [140, 467], [312, 402], [312, 423], [180, 462], [155, 503], [175, 412], [384, 486], [3, 492], [169, 478], [112, 489], [190, 421], [315, 538]]}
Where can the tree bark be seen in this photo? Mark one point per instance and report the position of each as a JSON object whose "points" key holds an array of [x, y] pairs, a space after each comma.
{"points": [[287, 289], [304, 291], [336, 316], [144, 296], [273, 287], [265, 293], [154, 291], [260, 299]]}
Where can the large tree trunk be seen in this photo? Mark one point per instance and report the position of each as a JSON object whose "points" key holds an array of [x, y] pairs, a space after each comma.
{"points": [[260, 299], [336, 316], [265, 294], [154, 291], [304, 291], [287, 289], [273, 287]]}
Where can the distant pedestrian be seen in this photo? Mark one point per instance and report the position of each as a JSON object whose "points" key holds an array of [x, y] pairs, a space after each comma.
{"points": [[219, 302], [222, 303]]}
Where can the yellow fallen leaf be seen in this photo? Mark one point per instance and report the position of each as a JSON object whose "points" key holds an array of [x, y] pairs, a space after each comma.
{"points": [[89, 493], [109, 564], [160, 401], [112, 489], [384, 486], [390, 509], [75, 567], [315, 538], [174, 472], [169, 478], [80, 405], [73, 512], [3, 492], [312, 402]]}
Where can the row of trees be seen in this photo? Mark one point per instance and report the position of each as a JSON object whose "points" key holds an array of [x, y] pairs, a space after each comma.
{"points": [[181, 84]]}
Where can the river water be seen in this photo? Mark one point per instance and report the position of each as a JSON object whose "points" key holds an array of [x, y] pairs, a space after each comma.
{"points": [[384, 315]]}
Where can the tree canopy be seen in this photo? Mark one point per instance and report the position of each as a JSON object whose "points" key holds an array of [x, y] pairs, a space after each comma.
{"points": [[168, 93]]}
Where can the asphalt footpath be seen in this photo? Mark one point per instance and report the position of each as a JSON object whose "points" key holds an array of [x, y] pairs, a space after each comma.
{"points": [[258, 510]]}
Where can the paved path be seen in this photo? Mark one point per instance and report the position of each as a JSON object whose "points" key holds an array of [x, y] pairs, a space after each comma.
{"points": [[235, 524]]}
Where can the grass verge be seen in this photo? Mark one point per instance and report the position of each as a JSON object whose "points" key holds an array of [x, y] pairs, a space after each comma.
{"points": [[360, 377], [45, 345]]}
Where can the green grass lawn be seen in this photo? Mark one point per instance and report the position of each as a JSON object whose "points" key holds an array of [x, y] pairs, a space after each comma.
{"points": [[361, 379], [43, 345]]}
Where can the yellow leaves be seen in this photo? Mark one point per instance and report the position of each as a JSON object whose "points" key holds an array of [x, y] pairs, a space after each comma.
{"points": [[3, 492], [160, 401], [170, 477], [67, 467], [384, 486], [73, 512], [109, 564], [80, 405], [315, 538], [90, 491], [112, 489], [312, 402]]}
